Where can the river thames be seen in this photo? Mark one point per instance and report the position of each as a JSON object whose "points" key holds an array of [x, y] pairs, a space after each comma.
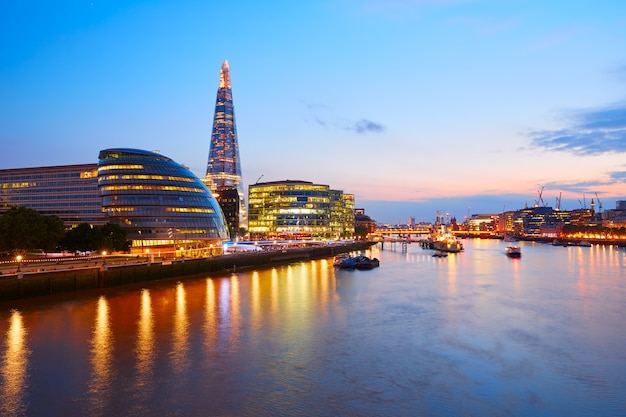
{"points": [[473, 334]]}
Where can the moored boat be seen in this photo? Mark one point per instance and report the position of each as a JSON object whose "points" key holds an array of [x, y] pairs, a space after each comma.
{"points": [[442, 239], [363, 262], [356, 262]]}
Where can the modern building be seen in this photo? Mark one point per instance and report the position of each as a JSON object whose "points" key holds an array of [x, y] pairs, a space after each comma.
{"points": [[228, 199], [341, 214], [224, 165], [162, 205], [69, 192], [297, 210]]}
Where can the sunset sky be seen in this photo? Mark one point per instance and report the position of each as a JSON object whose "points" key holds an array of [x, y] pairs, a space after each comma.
{"points": [[414, 106]]}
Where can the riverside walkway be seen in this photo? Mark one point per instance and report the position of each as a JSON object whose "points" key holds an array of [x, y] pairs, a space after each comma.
{"points": [[45, 277]]}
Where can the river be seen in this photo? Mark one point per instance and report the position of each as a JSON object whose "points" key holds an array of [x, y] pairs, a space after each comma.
{"points": [[475, 333]]}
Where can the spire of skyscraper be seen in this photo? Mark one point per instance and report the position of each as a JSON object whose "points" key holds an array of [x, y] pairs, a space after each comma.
{"points": [[223, 167]]}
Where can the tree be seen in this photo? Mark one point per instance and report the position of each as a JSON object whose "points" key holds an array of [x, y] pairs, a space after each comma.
{"points": [[83, 237], [55, 232], [114, 238], [22, 229]]}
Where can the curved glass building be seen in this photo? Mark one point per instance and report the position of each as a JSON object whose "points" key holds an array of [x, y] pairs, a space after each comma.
{"points": [[161, 204]]}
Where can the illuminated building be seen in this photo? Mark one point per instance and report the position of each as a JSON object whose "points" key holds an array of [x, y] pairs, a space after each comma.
{"points": [[341, 214], [224, 166], [161, 204], [297, 210], [69, 192]]}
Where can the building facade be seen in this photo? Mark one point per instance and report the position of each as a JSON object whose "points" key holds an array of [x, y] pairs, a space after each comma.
{"points": [[229, 201], [162, 205], [296, 210], [224, 165], [69, 192], [341, 214]]}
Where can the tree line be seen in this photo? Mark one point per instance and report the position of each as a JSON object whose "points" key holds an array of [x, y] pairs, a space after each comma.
{"points": [[23, 229]]}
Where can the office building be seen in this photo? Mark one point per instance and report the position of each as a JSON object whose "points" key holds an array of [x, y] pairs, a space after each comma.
{"points": [[161, 204], [297, 210], [69, 192]]}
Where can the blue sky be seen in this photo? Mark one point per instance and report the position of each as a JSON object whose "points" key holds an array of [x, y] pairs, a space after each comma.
{"points": [[415, 106]]}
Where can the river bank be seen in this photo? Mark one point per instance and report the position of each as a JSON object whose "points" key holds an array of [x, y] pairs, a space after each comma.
{"points": [[101, 275]]}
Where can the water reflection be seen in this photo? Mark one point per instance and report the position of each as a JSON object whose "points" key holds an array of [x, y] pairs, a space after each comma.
{"points": [[210, 324], [180, 345], [145, 349], [14, 368], [235, 312], [101, 356]]}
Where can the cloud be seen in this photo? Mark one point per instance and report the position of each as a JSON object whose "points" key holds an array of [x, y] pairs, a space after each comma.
{"points": [[591, 133], [324, 116], [618, 176], [366, 126]]}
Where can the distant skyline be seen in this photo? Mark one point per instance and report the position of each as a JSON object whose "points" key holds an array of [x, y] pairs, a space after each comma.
{"points": [[414, 106]]}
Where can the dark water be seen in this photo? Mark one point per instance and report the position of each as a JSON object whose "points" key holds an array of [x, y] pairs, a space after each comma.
{"points": [[474, 334]]}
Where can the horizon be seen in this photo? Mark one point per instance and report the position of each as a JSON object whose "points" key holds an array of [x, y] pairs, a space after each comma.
{"points": [[414, 107]]}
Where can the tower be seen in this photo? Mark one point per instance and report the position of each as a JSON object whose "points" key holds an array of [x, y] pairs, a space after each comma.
{"points": [[223, 167]]}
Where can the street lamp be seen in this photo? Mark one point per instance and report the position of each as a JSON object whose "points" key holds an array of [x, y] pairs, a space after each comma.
{"points": [[104, 259], [19, 262]]}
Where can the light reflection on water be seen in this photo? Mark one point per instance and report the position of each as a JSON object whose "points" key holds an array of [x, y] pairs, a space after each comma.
{"points": [[101, 358], [476, 333], [14, 368]]}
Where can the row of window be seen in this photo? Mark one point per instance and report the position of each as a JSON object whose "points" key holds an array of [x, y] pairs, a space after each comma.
{"points": [[142, 177], [114, 188]]}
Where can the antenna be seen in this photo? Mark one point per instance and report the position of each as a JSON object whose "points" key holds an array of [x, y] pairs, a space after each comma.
{"points": [[259, 179]]}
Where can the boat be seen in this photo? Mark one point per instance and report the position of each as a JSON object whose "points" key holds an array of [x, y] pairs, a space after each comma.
{"points": [[584, 243], [440, 254], [442, 238], [513, 251], [340, 258], [363, 262], [356, 262]]}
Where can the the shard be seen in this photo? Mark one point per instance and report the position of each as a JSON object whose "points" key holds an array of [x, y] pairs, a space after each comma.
{"points": [[224, 167]]}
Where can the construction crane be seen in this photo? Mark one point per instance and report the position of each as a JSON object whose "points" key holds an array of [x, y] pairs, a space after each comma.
{"points": [[259, 179], [599, 204], [540, 200], [558, 202]]}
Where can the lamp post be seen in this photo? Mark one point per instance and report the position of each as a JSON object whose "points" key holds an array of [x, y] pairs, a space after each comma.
{"points": [[104, 259], [19, 263]]}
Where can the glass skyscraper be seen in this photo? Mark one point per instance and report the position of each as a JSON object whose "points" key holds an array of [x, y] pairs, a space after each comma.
{"points": [[224, 166]]}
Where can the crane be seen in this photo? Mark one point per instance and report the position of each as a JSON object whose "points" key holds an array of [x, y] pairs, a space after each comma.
{"points": [[259, 179], [540, 200], [599, 204]]}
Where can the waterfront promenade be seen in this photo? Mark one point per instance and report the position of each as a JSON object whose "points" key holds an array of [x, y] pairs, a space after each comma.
{"points": [[46, 276]]}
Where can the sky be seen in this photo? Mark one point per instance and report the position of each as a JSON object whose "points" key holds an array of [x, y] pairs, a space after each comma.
{"points": [[414, 106]]}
